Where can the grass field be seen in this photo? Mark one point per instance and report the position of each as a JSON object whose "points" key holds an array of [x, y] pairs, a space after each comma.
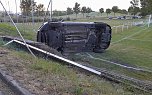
{"points": [[132, 47]]}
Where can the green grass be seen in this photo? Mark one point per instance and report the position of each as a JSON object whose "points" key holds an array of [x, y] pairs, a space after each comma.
{"points": [[47, 66], [134, 51], [113, 22], [10, 30], [125, 33], [127, 52]]}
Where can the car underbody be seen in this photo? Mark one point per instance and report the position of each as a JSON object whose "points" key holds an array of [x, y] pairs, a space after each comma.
{"points": [[75, 36]]}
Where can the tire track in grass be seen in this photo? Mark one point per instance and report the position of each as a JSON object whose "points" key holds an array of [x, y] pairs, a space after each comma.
{"points": [[139, 40], [114, 63]]}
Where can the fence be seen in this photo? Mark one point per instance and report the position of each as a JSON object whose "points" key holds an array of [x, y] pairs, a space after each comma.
{"points": [[121, 28]]}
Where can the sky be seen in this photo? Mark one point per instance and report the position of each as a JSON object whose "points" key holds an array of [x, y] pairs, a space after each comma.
{"points": [[62, 5]]}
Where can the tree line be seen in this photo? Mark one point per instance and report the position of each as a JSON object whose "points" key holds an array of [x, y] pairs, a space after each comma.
{"points": [[114, 9], [27, 6], [77, 9], [134, 9]]}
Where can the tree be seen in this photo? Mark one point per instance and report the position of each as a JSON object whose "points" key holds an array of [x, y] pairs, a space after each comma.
{"points": [[115, 9], [76, 8], [84, 10], [56, 13], [146, 7], [40, 10], [108, 11], [134, 6], [101, 10], [69, 11], [123, 11], [131, 10], [26, 7], [134, 3], [89, 10], [136, 10]]}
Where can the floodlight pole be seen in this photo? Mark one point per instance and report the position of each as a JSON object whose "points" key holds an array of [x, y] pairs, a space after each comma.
{"points": [[16, 11], [47, 10], [9, 7], [32, 4], [51, 11]]}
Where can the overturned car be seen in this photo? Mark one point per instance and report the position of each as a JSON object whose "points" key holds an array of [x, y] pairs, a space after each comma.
{"points": [[75, 36]]}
